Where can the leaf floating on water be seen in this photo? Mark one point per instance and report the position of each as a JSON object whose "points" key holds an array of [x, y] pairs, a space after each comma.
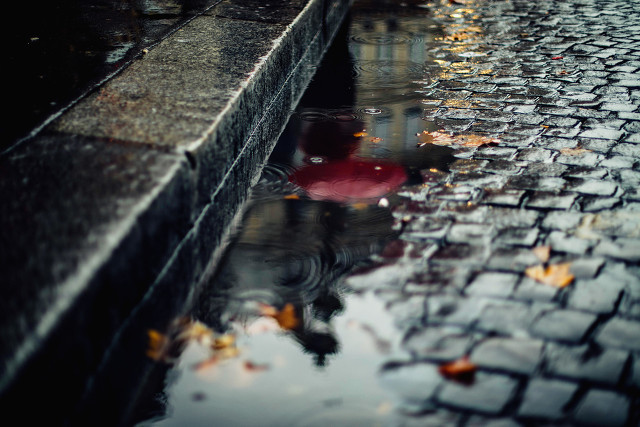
{"points": [[375, 139], [461, 370], [441, 138], [158, 345], [558, 275], [224, 341], [253, 367], [196, 331], [360, 134], [286, 318], [542, 253]]}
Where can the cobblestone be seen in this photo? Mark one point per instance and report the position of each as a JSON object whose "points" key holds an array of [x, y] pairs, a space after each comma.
{"points": [[546, 399], [490, 393], [602, 407], [557, 85]]}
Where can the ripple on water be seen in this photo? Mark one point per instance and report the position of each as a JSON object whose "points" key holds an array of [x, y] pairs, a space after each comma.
{"points": [[386, 38]]}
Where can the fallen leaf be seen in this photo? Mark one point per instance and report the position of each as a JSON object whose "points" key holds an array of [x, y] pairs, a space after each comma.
{"points": [[292, 197], [375, 139], [224, 341], [542, 252], [461, 370], [574, 151], [557, 57], [196, 331], [441, 138], [360, 134], [286, 317], [158, 345], [557, 275], [253, 367]]}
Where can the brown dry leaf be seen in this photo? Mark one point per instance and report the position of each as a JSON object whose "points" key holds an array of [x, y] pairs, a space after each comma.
{"points": [[158, 345], [542, 252], [460, 370], [574, 151], [286, 317], [253, 367], [558, 275], [441, 138], [375, 139]]}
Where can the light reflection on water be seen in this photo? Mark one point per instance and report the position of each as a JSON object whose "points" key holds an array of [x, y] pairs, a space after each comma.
{"points": [[291, 390], [363, 111]]}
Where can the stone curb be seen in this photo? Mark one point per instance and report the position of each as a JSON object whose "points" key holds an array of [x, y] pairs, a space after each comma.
{"points": [[123, 202]]}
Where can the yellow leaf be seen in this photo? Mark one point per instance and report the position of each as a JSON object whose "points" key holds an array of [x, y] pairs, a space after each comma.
{"points": [[224, 341], [557, 275], [574, 151], [158, 344], [292, 197]]}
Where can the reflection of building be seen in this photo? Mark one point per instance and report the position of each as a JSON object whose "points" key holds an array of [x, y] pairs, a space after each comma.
{"points": [[390, 55]]}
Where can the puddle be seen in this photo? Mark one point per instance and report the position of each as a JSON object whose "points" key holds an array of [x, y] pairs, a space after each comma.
{"points": [[311, 344]]}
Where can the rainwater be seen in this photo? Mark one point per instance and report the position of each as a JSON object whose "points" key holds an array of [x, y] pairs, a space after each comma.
{"points": [[281, 336]]}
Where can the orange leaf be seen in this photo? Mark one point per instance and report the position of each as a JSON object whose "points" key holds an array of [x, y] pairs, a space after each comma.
{"points": [[292, 197], [286, 317], [460, 370], [542, 252], [360, 134], [224, 341], [441, 138], [158, 344], [557, 275]]}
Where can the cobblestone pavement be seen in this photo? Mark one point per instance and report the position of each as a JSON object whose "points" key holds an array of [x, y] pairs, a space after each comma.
{"points": [[557, 83]]}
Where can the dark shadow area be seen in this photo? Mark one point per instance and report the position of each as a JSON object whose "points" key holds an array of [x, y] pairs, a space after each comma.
{"points": [[61, 50]]}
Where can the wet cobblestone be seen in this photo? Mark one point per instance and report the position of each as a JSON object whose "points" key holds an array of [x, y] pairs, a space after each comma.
{"points": [[557, 84]]}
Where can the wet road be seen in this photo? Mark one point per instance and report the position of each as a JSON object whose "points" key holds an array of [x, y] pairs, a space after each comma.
{"points": [[505, 237]]}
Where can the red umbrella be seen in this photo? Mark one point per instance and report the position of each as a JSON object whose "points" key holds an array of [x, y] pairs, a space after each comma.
{"points": [[349, 180]]}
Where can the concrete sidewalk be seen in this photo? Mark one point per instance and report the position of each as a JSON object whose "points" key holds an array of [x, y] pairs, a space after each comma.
{"points": [[126, 198]]}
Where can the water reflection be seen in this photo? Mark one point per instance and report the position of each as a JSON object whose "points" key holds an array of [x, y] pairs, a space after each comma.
{"points": [[310, 345], [65, 48], [292, 252]]}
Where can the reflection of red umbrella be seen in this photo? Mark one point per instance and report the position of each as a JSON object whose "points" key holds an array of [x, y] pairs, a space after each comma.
{"points": [[349, 180]]}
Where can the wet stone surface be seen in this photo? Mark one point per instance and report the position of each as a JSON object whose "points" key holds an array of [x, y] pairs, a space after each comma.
{"points": [[556, 85]]}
